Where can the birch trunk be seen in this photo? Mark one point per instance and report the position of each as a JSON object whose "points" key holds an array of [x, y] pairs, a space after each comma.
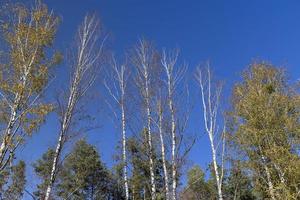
{"points": [[118, 95], [163, 155], [216, 169], [7, 136], [27, 57], [270, 184], [174, 183], [83, 76], [144, 61], [280, 174], [124, 152], [64, 128], [152, 177], [173, 78], [54, 166], [269, 181], [210, 103]]}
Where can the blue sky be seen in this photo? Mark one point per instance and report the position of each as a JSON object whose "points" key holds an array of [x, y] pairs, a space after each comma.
{"points": [[230, 34]]}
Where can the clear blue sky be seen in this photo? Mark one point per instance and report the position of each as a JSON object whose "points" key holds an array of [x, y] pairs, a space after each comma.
{"points": [[229, 33]]}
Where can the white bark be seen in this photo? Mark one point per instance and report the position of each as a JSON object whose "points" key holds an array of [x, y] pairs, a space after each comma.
{"points": [[153, 186], [163, 154], [85, 67], [210, 103], [174, 167], [269, 181], [173, 78], [280, 173], [144, 57], [118, 94], [124, 153], [268, 175], [8, 144]]}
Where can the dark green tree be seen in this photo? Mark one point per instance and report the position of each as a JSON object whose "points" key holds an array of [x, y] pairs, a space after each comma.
{"points": [[42, 168], [138, 157], [238, 185], [84, 176], [197, 187], [12, 182]]}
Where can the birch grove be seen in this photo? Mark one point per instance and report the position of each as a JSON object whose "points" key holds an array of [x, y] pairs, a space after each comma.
{"points": [[153, 147], [89, 49]]}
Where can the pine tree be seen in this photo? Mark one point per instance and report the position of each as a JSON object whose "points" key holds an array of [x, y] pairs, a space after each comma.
{"points": [[238, 185], [13, 182], [197, 188], [140, 184], [42, 168], [84, 176]]}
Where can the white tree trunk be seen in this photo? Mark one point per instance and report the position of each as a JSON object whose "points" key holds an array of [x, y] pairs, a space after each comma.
{"points": [[152, 176], [163, 154], [7, 135], [173, 132], [54, 166], [173, 78], [216, 168], [280, 173], [124, 152], [118, 95], [210, 103], [145, 57], [270, 184], [82, 78], [64, 128], [269, 181]]}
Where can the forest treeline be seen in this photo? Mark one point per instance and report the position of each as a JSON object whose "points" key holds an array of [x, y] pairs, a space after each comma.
{"points": [[254, 142]]}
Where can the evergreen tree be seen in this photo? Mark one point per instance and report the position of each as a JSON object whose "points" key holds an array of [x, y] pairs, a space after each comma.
{"points": [[197, 188], [84, 176], [138, 156], [42, 168], [238, 186], [13, 182]]}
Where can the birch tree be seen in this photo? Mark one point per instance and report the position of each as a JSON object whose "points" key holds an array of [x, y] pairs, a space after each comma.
{"points": [[160, 110], [266, 117], [85, 65], [210, 95], [144, 62], [117, 90], [28, 34], [174, 76]]}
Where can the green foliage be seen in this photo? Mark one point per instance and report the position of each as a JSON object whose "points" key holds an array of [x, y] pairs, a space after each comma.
{"points": [[138, 157], [238, 185], [13, 182], [197, 187], [84, 176], [81, 176], [265, 131], [42, 168], [29, 34], [266, 117]]}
